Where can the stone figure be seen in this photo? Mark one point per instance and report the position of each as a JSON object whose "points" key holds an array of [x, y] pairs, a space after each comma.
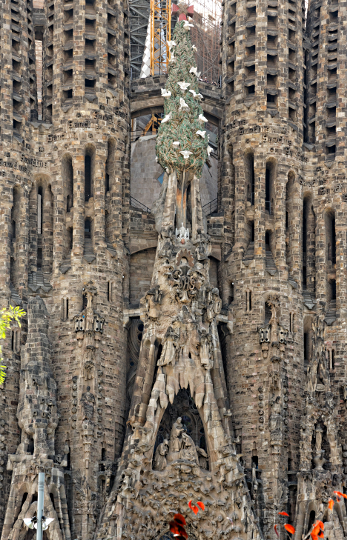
{"points": [[319, 460], [275, 419], [169, 349], [89, 320], [312, 375], [188, 450], [203, 458], [176, 440], [88, 401], [160, 456], [205, 349]]}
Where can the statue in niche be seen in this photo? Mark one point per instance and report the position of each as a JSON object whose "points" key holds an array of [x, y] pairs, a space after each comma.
{"points": [[168, 354], [188, 450], [88, 401], [275, 419], [323, 375], [312, 375], [160, 456], [319, 459], [176, 440]]}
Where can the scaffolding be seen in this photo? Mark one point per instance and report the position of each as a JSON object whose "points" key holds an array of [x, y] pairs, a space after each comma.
{"points": [[139, 16], [206, 36], [160, 29], [151, 26]]}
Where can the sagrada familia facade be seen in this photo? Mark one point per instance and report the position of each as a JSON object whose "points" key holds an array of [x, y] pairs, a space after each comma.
{"points": [[174, 354]]}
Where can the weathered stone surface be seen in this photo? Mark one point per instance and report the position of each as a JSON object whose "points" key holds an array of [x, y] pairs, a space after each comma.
{"points": [[240, 331]]}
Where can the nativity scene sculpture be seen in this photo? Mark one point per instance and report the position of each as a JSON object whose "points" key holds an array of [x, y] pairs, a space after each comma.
{"points": [[180, 349]]}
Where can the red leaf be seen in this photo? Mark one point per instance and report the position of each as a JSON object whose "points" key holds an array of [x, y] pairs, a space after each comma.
{"points": [[283, 514], [331, 504], [201, 504], [190, 504], [344, 495], [195, 509], [289, 528], [177, 530], [179, 519], [321, 524], [276, 531]]}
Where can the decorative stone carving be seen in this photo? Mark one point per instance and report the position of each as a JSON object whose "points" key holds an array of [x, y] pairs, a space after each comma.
{"points": [[89, 322], [38, 418], [88, 401], [160, 456]]}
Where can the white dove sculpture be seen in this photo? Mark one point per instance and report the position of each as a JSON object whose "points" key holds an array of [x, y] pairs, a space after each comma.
{"points": [[183, 104], [201, 133], [202, 118], [193, 70], [165, 93], [209, 150], [176, 143], [183, 85], [185, 153], [166, 118], [187, 25], [171, 44], [194, 48]]}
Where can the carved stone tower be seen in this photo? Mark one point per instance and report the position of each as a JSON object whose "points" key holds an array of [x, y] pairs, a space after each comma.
{"points": [[179, 247]]}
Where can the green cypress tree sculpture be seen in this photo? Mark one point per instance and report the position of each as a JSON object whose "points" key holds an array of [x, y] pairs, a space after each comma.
{"points": [[182, 143]]}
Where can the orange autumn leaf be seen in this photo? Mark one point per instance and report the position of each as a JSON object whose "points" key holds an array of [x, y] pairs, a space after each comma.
{"points": [[283, 514], [276, 531], [314, 536], [289, 528], [194, 508], [321, 534], [339, 494], [331, 504], [201, 504]]}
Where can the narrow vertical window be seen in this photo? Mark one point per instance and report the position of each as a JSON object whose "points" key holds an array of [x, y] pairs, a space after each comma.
{"points": [[88, 173], [250, 301], [39, 210]]}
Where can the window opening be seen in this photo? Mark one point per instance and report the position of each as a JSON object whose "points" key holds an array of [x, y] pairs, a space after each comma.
{"points": [[87, 177]]}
